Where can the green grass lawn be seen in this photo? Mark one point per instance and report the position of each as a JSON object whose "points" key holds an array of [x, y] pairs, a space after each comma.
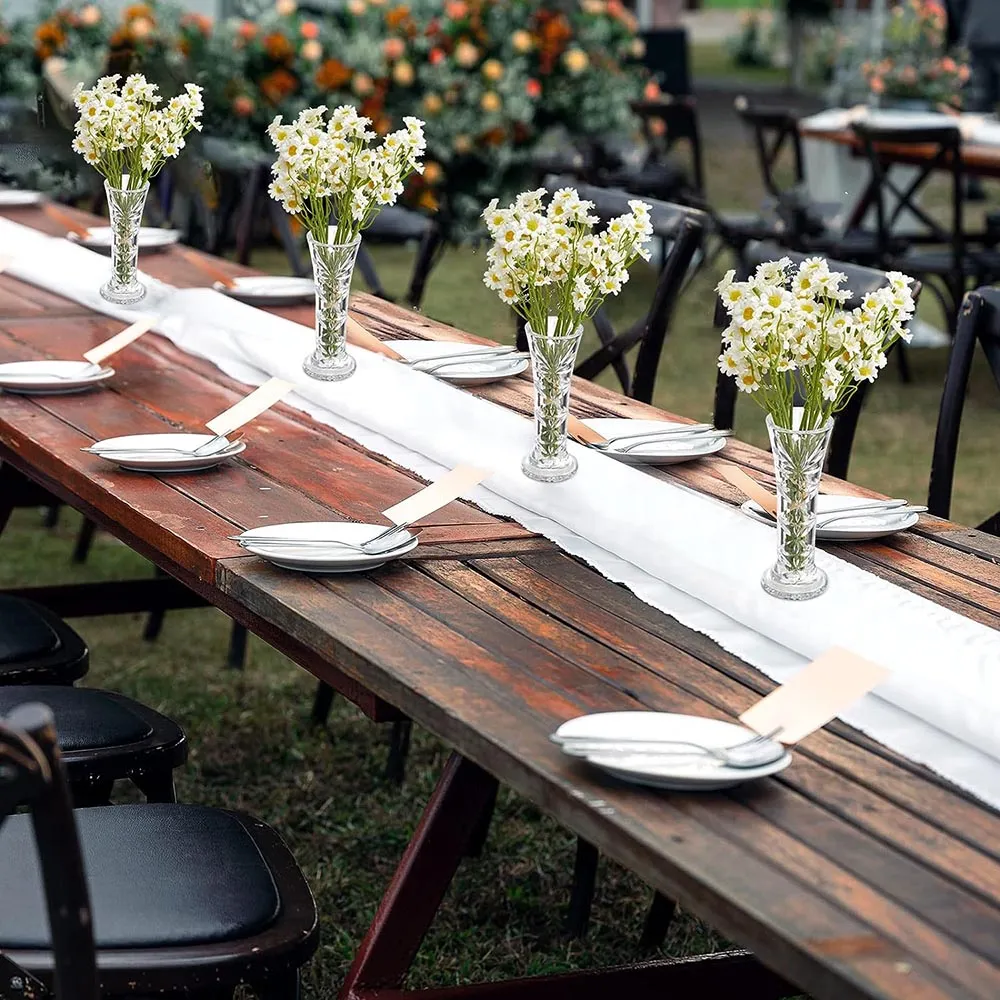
{"points": [[251, 746]]}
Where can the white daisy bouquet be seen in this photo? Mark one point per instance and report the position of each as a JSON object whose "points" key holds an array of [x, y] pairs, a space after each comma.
{"points": [[791, 341], [123, 133], [549, 261], [328, 172]]}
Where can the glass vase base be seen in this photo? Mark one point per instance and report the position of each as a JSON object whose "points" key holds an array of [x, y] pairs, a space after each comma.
{"points": [[556, 470], [123, 295], [800, 587], [329, 369]]}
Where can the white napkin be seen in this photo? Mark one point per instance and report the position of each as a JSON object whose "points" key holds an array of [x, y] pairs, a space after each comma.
{"points": [[685, 553]]}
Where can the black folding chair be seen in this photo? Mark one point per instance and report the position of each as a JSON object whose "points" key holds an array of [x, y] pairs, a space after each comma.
{"points": [[978, 323], [31, 776], [941, 256], [680, 229], [861, 281]]}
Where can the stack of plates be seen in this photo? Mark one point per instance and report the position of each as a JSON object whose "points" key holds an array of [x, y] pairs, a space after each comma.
{"points": [[269, 290], [312, 546], [676, 768], [469, 371], [861, 527], [162, 453], [51, 378], [99, 238], [664, 451]]}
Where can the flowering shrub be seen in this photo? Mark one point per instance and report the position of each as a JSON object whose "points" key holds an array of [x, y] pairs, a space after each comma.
{"points": [[327, 173], [550, 262], [122, 132], [915, 64], [789, 334]]}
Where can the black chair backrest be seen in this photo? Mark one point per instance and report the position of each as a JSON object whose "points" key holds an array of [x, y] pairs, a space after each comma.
{"points": [[891, 199], [31, 774], [681, 229], [775, 129], [861, 281], [978, 322], [679, 117], [666, 58]]}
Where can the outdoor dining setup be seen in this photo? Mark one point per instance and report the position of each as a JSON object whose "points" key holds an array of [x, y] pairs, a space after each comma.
{"points": [[766, 691]]}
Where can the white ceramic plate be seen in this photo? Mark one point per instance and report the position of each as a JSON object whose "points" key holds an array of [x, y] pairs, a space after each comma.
{"points": [[662, 452], [40, 378], [471, 372], [12, 198], [145, 459], [871, 524], [676, 772], [312, 558], [150, 239], [269, 290]]}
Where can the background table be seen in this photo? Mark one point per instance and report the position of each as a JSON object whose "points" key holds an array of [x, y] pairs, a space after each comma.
{"points": [[853, 874]]}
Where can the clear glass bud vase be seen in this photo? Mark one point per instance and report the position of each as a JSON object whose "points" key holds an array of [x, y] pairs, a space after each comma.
{"points": [[552, 361], [333, 267], [125, 207], [798, 466]]}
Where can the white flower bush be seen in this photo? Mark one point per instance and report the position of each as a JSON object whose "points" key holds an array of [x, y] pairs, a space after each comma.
{"points": [[789, 334], [328, 172], [122, 131], [550, 262]]}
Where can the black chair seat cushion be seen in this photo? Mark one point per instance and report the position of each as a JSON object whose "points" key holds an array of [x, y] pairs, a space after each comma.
{"points": [[160, 875], [85, 719], [395, 224], [655, 180], [24, 634]]}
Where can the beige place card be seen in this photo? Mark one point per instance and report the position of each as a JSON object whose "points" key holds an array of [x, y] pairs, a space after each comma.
{"points": [[250, 406], [815, 695], [749, 486], [65, 219], [114, 344], [449, 487], [360, 337], [579, 431]]}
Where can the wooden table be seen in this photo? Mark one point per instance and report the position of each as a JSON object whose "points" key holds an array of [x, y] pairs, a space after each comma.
{"points": [[978, 159], [853, 874]]}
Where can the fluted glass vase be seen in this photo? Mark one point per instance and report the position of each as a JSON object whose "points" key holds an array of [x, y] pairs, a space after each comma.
{"points": [[125, 206], [798, 466], [333, 267], [552, 361]]}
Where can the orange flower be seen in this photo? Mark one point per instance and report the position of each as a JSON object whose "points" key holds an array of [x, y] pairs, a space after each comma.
{"points": [[278, 85], [533, 88], [397, 17], [90, 15], [309, 29], [456, 9], [243, 105], [402, 73], [393, 48], [651, 91], [286, 7], [137, 10], [433, 103], [877, 85], [312, 50], [427, 200], [247, 30], [332, 75], [278, 47], [493, 70], [490, 102], [466, 54], [494, 137], [141, 27], [576, 61], [356, 7], [949, 65], [362, 84], [523, 41], [435, 56], [461, 144], [432, 172], [200, 21]]}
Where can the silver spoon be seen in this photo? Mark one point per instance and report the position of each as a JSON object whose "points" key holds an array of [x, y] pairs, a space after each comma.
{"points": [[753, 752], [368, 546], [198, 452]]}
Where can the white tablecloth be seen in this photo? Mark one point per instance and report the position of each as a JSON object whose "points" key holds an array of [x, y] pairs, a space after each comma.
{"points": [[684, 553]]}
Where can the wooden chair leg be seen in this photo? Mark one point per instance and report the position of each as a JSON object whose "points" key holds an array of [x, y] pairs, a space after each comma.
{"points": [[84, 540], [236, 658], [322, 704], [399, 748], [51, 518], [581, 897], [478, 839], [658, 921]]}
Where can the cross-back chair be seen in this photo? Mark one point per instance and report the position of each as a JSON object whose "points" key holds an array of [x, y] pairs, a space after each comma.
{"points": [[978, 323], [680, 229], [861, 281], [940, 255], [31, 776]]}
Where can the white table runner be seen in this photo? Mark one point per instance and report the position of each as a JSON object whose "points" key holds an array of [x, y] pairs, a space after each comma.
{"points": [[684, 553]]}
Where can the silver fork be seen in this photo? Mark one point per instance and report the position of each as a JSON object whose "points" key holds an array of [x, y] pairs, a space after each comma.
{"points": [[365, 546], [472, 352], [668, 434], [198, 452], [466, 359], [752, 752]]}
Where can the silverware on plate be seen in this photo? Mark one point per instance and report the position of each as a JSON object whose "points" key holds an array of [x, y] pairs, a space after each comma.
{"points": [[198, 452], [88, 371], [368, 547], [667, 434]]}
